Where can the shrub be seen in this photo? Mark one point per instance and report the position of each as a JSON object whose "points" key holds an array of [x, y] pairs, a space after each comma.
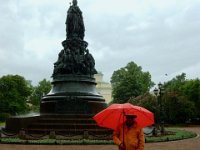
{"points": [[3, 116]]}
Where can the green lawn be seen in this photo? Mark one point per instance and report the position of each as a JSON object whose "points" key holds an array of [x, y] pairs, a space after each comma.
{"points": [[2, 124], [178, 134]]}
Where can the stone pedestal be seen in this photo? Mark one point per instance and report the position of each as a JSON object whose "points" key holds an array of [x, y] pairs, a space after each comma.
{"points": [[72, 94]]}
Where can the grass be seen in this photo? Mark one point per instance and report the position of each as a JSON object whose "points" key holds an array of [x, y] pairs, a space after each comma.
{"points": [[178, 135], [55, 141], [2, 124]]}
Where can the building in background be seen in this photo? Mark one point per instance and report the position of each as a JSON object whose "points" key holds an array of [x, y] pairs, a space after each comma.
{"points": [[103, 88]]}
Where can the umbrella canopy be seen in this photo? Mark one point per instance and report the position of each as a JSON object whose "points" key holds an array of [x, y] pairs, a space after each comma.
{"points": [[113, 116]]}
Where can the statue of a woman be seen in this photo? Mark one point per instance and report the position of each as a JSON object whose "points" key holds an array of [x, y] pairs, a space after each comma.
{"points": [[74, 23]]}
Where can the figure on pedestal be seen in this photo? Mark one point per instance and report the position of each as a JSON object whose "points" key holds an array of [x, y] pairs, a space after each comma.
{"points": [[75, 57], [74, 23]]}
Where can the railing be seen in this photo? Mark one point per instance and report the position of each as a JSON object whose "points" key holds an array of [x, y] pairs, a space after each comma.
{"points": [[23, 134]]}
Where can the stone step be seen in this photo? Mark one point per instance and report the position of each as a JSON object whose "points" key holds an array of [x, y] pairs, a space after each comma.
{"points": [[56, 116], [64, 126], [65, 120], [64, 123], [70, 131], [67, 125]]}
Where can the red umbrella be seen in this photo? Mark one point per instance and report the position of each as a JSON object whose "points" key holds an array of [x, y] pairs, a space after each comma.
{"points": [[113, 116]]}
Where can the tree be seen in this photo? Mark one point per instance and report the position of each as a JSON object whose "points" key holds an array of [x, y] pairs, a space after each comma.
{"points": [[191, 90], [41, 89], [14, 91], [175, 84], [147, 101], [177, 109], [130, 81]]}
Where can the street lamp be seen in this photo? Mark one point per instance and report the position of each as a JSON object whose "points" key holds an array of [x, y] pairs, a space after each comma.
{"points": [[159, 93]]}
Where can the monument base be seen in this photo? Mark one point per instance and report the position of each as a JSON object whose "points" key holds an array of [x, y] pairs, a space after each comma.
{"points": [[58, 126], [72, 94], [71, 105]]}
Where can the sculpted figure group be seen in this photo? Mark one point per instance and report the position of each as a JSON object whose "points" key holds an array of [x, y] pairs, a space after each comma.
{"points": [[75, 57], [69, 63]]}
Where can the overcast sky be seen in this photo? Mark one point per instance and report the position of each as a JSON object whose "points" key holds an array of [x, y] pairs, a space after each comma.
{"points": [[161, 36]]}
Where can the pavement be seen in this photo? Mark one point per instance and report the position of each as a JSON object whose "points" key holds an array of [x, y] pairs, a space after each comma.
{"points": [[187, 144]]}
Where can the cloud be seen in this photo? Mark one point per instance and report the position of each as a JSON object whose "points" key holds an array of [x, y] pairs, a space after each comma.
{"points": [[161, 37]]}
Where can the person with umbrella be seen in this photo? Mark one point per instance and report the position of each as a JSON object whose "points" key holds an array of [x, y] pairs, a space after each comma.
{"points": [[127, 121], [129, 136]]}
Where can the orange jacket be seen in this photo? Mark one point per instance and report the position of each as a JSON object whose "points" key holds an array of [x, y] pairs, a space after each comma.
{"points": [[133, 137]]}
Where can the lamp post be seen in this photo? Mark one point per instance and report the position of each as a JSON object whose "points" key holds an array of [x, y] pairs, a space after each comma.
{"points": [[159, 94]]}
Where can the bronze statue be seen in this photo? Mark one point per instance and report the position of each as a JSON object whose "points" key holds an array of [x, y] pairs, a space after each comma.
{"points": [[73, 96], [74, 23], [75, 58]]}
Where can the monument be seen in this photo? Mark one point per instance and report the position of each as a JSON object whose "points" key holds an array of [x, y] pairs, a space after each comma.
{"points": [[74, 87], [73, 100]]}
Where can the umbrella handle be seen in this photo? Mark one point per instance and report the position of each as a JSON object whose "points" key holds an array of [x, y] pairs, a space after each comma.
{"points": [[123, 127]]}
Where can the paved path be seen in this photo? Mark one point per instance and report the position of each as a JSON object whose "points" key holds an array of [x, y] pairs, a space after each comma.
{"points": [[187, 144]]}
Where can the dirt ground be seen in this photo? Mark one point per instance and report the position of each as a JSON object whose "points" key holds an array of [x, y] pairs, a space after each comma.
{"points": [[187, 144]]}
